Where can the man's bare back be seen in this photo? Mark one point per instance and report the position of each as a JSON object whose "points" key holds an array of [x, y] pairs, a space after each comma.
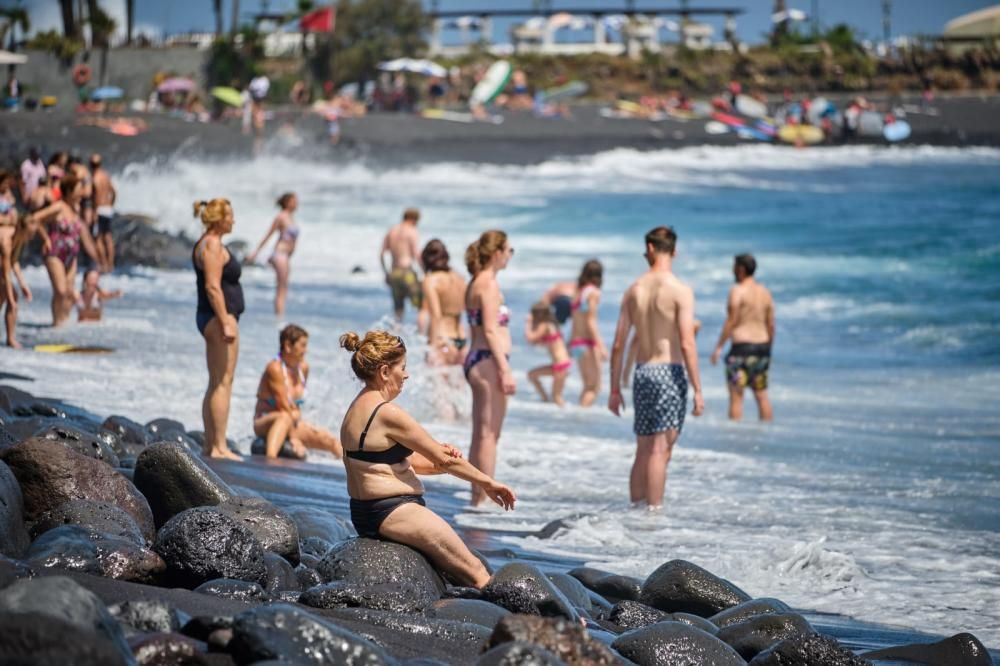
{"points": [[104, 191], [752, 311], [659, 304], [401, 241]]}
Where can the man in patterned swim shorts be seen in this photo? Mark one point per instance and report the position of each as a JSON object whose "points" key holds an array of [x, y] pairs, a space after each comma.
{"points": [[661, 309], [750, 325]]}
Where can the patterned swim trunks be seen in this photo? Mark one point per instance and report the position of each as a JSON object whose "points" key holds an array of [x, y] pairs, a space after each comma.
{"points": [[747, 365], [659, 391]]}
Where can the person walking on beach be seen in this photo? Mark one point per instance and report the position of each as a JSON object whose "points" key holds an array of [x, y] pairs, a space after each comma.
{"points": [[281, 395], [104, 204], [750, 326], [661, 309], [585, 343], [444, 294], [487, 367], [220, 304], [403, 245], [384, 451], [63, 232], [288, 233]]}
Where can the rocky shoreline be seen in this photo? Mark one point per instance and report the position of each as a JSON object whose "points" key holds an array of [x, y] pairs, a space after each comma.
{"points": [[120, 545]]}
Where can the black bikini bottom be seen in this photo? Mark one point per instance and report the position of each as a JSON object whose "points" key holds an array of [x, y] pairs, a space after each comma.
{"points": [[368, 515]]}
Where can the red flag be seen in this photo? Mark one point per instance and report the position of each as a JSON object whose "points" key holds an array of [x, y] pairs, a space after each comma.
{"points": [[320, 20]]}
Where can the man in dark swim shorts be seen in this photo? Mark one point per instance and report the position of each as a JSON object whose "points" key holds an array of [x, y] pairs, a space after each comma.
{"points": [[750, 326]]}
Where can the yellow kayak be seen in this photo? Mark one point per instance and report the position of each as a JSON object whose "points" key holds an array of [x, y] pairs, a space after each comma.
{"points": [[72, 349], [801, 134]]}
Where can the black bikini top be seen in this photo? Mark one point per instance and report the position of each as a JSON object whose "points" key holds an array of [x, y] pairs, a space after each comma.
{"points": [[395, 454]]}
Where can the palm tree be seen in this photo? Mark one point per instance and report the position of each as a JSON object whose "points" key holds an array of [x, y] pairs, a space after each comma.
{"points": [[217, 7], [16, 17], [236, 18], [70, 26]]}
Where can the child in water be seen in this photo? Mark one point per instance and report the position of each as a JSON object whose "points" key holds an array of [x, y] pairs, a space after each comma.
{"points": [[543, 330], [90, 303]]}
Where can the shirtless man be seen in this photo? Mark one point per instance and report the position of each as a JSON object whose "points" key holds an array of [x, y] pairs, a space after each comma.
{"points": [[661, 309], [750, 325], [402, 243], [104, 201]]}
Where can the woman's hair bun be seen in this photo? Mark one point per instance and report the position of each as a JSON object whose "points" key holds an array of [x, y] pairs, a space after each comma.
{"points": [[198, 205], [350, 341]]}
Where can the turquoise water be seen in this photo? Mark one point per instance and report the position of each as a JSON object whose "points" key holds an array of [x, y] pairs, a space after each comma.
{"points": [[876, 492]]}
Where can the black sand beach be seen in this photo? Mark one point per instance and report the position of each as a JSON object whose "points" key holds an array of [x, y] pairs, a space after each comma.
{"points": [[395, 138]]}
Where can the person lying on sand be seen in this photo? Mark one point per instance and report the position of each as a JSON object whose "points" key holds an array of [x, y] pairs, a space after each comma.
{"points": [[280, 397], [384, 450]]}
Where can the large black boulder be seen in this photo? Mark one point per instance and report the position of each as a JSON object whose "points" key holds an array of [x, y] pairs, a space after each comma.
{"points": [[79, 548], [148, 616], [36, 639], [574, 590], [363, 562], [808, 650], [98, 516], [274, 528], [523, 588], [173, 480], [675, 644], [634, 615], [133, 435], [83, 443], [398, 597], [281, 576], [202, 544], [613, 587], [756, 634], [287, 633], [680, 586], [959, 650], [13, 537], [65, 600], [517, 653], [50, 475], [241, 590], [459, 635], [475, 611], [13, 570], [313, 522], [749, 609], [567, 640]]}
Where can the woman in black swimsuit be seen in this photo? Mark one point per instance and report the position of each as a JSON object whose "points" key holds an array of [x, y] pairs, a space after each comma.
{"points": [[385, 449], [220, 304]]}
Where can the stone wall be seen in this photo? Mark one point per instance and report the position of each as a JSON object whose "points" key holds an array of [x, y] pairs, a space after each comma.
{"points": [[130, 69]]}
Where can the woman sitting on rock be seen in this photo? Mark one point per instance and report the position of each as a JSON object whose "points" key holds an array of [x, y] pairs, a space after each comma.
{"points": [[280, 397], [384, 450]]}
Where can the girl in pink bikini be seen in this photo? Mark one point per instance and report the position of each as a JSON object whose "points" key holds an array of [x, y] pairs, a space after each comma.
{"points": [[543, 330], [64, 232], [585, 343]]}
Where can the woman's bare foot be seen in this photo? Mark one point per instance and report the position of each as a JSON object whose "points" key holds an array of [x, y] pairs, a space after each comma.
{"points": [[14, 344], [224, 453]]}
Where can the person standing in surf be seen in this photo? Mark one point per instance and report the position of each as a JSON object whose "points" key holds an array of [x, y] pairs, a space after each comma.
{"points": [[661, 309], [750, 326], [288, 233], [220, 304], [14, 235], [64, 231], [104, 204], [403, 245], [585, 342], [487, 366], [384, 451], [444, 293]]}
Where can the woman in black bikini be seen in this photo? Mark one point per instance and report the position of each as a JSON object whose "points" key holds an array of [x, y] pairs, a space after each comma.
{"points": [[487, 367], [444, 292], [385, 449], [281, 395], [220, 304]]}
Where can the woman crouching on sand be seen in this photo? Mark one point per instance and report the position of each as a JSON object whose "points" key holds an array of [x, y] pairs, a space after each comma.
{"points": [[281, 395], [385, 449], [220, 304]]}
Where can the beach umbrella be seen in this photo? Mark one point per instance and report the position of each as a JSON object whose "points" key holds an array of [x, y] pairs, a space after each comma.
{"points": [[176, 84], [107, 92], [226, 95], [425, 67]]}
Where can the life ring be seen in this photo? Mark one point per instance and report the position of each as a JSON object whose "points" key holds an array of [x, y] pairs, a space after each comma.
{"points": [[81, 74]]}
